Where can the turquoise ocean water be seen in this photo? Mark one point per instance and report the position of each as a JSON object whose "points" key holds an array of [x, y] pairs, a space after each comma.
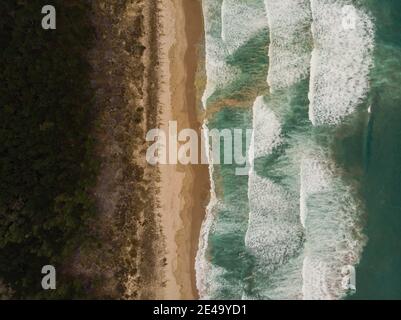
{"points": [[318, 216]]}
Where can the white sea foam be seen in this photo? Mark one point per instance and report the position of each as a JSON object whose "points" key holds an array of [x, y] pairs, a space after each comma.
{"points": [[285, 283], [274, 234], [315, 280], [290, 41], [301, 242], [210, 278], [341, 60], [227, 27], [218, 72], [304, 262], [275, 239], [241, 19], [203, 267], [329, 207], [319, 183], [266, 129], [332, 220]]}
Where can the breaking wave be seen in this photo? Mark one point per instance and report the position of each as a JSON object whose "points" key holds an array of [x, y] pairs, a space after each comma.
{"points": [[304, 231], [290, 46], [341, 60]]}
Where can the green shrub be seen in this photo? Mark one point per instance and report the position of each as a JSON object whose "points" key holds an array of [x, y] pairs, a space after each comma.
{"points": [[46, 162]]}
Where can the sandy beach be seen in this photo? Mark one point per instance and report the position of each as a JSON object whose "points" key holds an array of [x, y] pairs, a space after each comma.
{"points": [[149, 217], [183, 189]]}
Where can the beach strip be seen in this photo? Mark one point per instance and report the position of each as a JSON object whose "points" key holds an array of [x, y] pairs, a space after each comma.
{"points": [[184, 190]]}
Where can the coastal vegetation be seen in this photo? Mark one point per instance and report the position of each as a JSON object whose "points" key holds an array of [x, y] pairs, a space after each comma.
{"points": [[76, 191], [47, 168]]}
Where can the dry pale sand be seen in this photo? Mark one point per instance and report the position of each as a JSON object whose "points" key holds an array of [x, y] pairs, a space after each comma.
{"points": [[183, 189]]}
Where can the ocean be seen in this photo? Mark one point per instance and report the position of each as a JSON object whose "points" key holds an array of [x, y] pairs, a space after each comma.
{"points": [[318, 214]]}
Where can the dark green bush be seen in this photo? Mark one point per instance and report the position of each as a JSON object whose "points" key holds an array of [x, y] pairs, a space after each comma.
{"points": [[46, 162]]}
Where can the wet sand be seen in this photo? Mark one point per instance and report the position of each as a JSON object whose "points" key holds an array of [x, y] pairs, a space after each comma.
{"points": [[184, 190]]}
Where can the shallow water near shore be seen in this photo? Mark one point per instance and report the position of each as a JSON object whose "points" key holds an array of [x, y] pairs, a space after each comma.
{"points": [[322, 186]]}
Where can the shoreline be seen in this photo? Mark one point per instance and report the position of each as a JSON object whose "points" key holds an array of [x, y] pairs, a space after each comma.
{"points": [[199, 191], [149, 217], [181, 216]]}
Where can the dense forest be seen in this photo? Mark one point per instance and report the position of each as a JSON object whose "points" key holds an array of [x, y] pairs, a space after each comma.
{"points": [[47, 168]]}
